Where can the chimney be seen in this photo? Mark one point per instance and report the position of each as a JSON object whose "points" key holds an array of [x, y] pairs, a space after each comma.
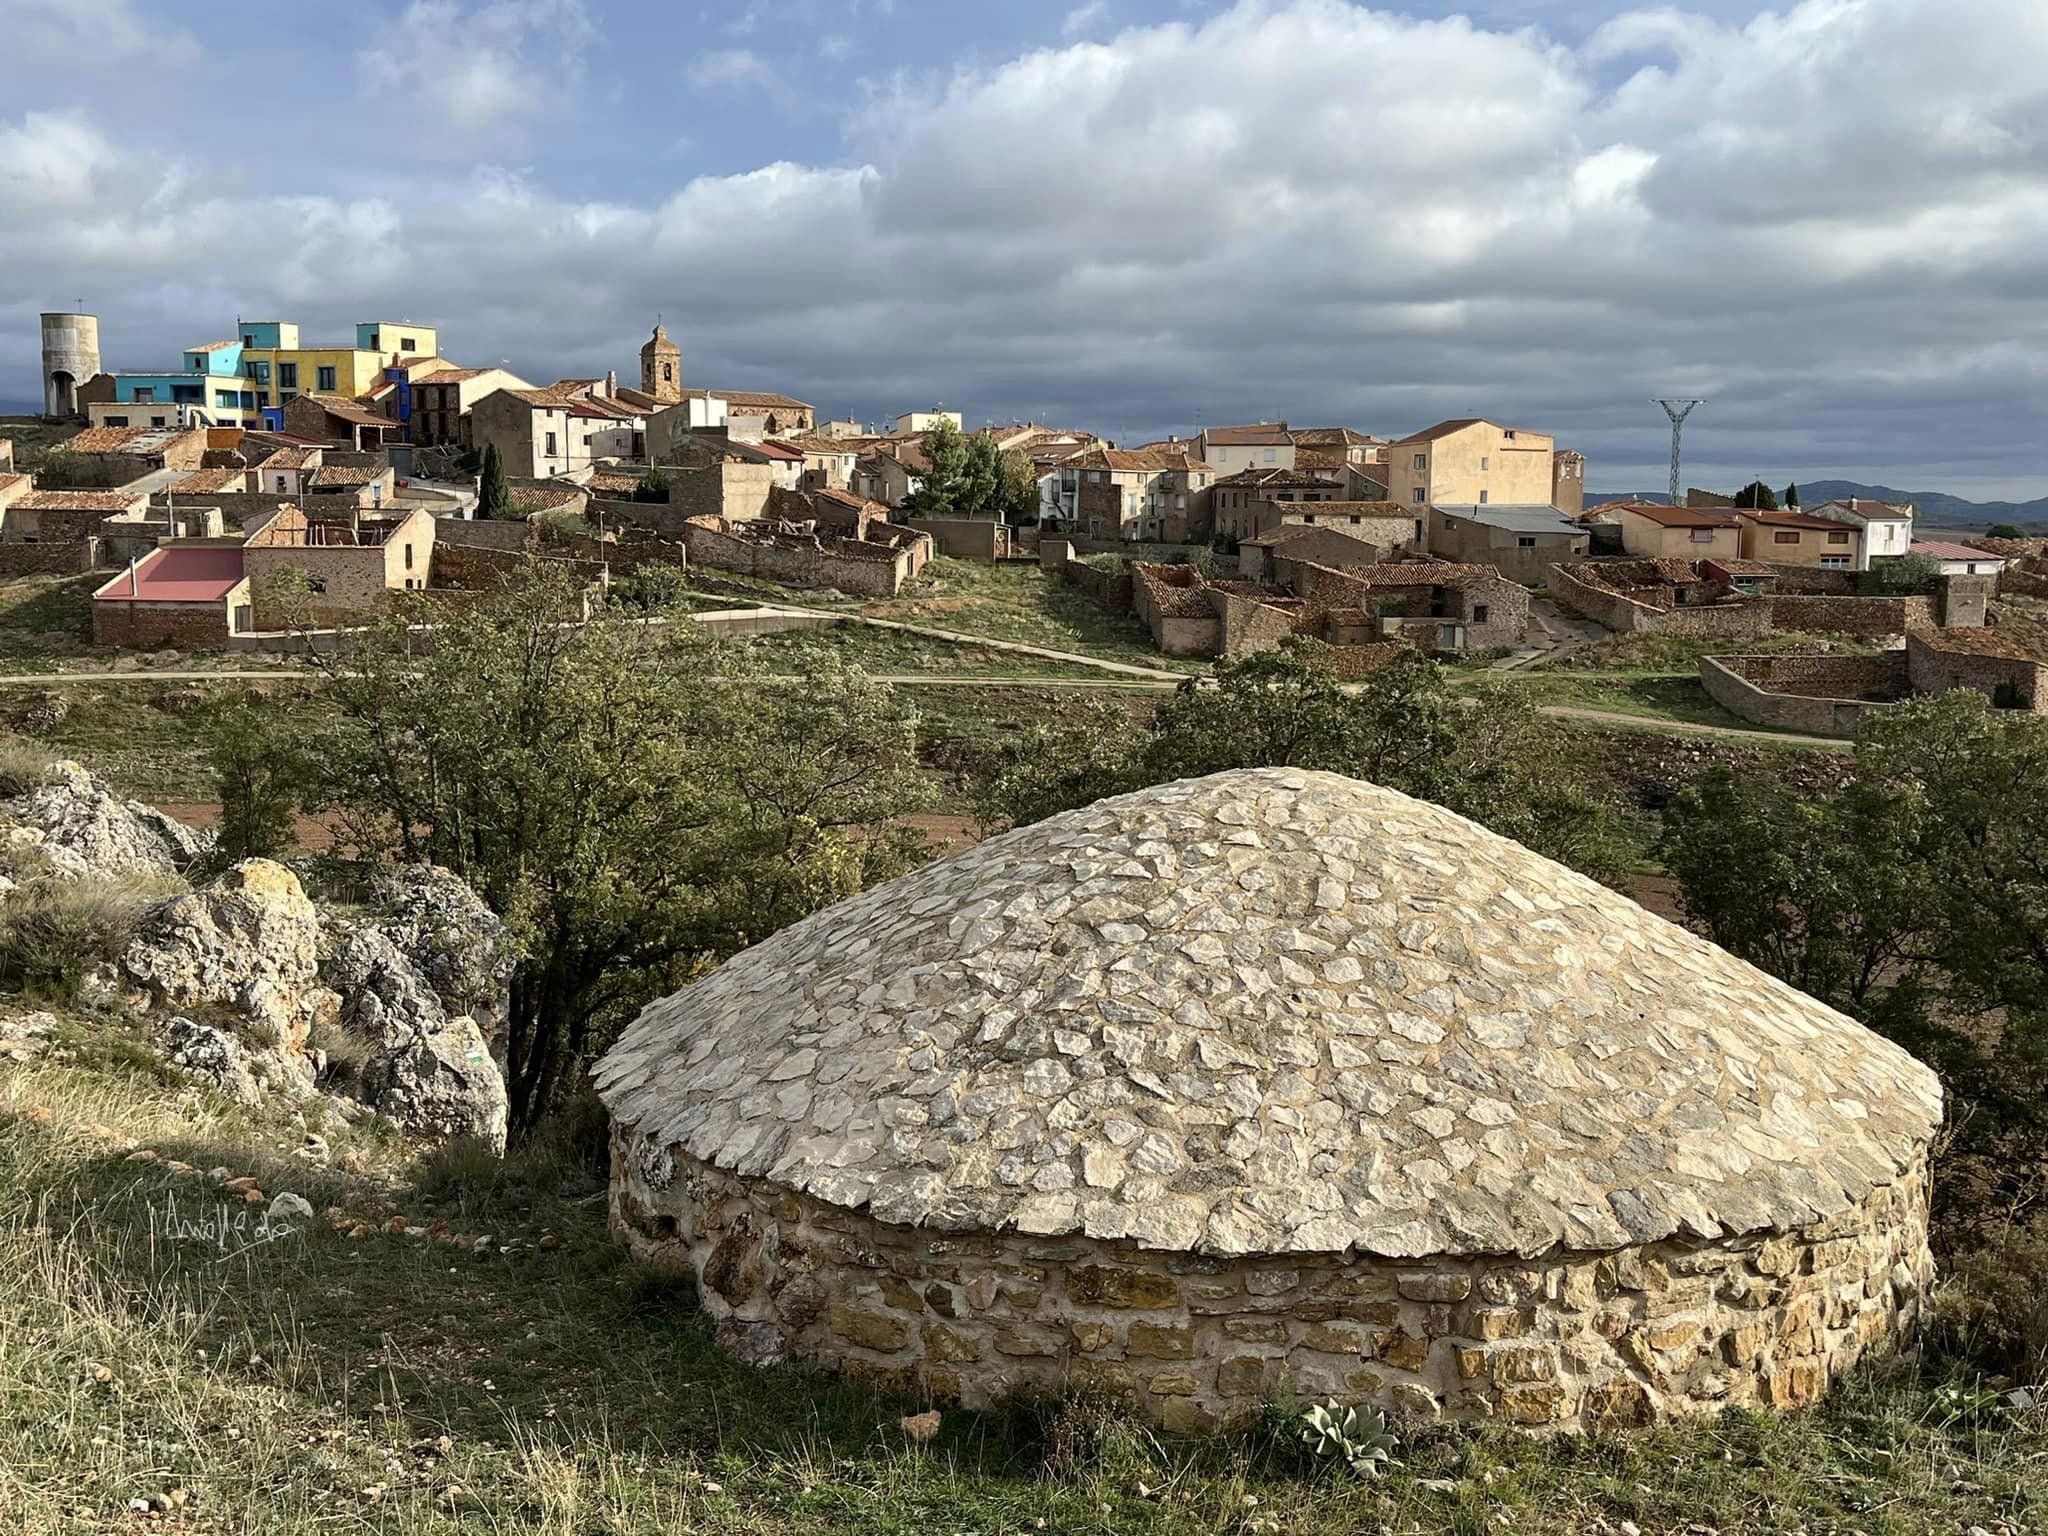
{"points": [[134, 577], [611, 383]]}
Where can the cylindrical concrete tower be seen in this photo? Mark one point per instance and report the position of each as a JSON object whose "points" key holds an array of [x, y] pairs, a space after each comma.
{"points": [[71, 355]]}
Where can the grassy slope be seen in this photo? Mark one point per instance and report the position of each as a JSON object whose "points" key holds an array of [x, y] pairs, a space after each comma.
{"points": [[308, 1385]]}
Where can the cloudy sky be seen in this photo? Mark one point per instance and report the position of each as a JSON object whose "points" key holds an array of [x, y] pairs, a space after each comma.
{"points": [[1830, 218]]}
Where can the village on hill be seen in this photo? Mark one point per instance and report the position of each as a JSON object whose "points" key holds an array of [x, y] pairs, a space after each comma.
{"points": [[624, 956]]}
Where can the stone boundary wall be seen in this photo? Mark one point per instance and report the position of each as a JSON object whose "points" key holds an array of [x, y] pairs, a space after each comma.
{"points": [[69, 557], [1568, 1341], [479, 568], [848, 565], [1868, 616], [153, 626], [503, 533], [1626, 616], [1108, 590], [1814, 695], [1352, 662]]}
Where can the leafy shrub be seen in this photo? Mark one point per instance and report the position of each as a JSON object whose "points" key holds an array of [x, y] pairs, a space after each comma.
{"points": [[347, 1056], [1994, 1308], [23, 765], [53, 932], [653, 486]]}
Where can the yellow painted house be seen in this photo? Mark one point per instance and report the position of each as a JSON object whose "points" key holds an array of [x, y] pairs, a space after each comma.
{"points": [[282, 368]]}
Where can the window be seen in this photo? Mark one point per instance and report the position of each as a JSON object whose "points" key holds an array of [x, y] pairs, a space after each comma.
{"points": [[668, 373], [1356, 521], [1272, 455], [377, 500], [1422, 461], [1784, 537], [144, 396], [1526, 541], [288, 376], [326, 379], [158, 421], [407, 344], [408, 557], [1479, 613], [1416, 495], [315, 584], [1482, 498], [248, 340], [286, 396], [1309, 518], [1510, 436], [283, 484], [1706, 536], [1485, 462], [114, 421], [550, 449], [1834, 562], [225, 402], [1838, 538]]}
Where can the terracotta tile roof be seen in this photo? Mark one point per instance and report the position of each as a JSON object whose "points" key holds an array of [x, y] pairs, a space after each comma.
{"points": [[850, 501], [1787, 519], [1888, 511], [1332, 437], [614, 485], [1137, 460], [178, 573], [1277, 479], [1735, 567], [1267, 434], [211, 482], [212, 346], [105, 439], [778, 450], [1422, 573], [9, 480], [453, 376], [1445, 429], [1675, 517], [559, 398], [289, 458], [759, 399], [344, 409], [346, 474], [79, 501], [546, 498], [2013, 642]]}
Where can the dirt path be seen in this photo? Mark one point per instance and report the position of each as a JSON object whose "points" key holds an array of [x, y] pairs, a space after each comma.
{"points": [[1690, 728]]}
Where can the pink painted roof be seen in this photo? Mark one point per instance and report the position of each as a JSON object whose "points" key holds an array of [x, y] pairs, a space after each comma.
{"points": [[199, 573], [1941, 550]]}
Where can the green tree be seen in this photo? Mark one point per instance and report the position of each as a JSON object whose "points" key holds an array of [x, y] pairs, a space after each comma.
{"points": [[980, 492], [1017, 501], [1404, 727], [1757, 494], [2006, 531], [262, 764], [494, 492], [1791, 496], [1914, 897], [1901, 575], [938, 491], [653, 486], [635, 800]]}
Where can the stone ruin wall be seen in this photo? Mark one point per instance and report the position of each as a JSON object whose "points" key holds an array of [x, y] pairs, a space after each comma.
{"points": [[1573, 1341]]}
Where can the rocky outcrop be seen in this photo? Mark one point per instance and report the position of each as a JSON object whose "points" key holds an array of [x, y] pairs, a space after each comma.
{"points": [[428, 1071], [459, 945], [85, 831], [248, 943], [224, 1060]]}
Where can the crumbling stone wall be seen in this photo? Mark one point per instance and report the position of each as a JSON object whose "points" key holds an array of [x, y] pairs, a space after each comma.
{"points": [[1816, 695], [859, 566], [1743, 620], [67, 557], [2013, 682], [1870, 616], [1567, 1341]]}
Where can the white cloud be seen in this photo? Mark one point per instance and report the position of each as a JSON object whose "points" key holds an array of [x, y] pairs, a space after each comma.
{"points": [[729, 69], [476, 68], [1083, 19], [1832, 220]]}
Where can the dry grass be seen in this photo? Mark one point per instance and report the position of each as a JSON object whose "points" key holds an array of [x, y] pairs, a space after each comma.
{"points": [[390, 1384]]}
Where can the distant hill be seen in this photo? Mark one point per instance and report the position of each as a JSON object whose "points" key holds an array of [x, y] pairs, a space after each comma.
{"points": [[1935, 508]]}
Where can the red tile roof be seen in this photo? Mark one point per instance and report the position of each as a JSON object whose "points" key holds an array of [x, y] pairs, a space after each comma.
{"points": [[1445, 429], [1265, 434], [1939, 550], [79, 501], [198, 573], [1791, 519], [211, 482]]}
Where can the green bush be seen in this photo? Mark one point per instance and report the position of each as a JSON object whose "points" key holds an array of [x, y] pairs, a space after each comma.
{"points": [[1994, 1308], [24, 764], [53, 932]]}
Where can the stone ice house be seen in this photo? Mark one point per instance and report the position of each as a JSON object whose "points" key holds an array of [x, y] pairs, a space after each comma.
{"points": [[1276, 1078]]}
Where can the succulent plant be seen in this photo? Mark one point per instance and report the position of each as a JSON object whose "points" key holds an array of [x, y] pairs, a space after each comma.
{"points": [[1361, 1438]]}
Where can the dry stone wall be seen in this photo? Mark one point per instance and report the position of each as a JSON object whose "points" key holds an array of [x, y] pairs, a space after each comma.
{"points": [[1571, 1341]]}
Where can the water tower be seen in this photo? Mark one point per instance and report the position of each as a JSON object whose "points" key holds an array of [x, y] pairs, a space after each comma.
{"points": [[71, 355]]}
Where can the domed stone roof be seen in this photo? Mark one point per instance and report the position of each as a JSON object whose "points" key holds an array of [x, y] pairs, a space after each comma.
{"points": [[1271, 1011]]}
